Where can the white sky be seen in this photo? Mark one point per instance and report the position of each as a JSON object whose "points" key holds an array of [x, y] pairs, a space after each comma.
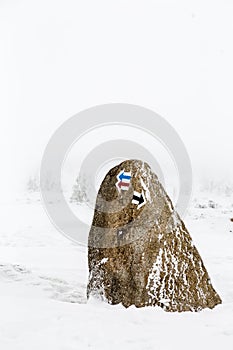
{"points": [[60, 57]]}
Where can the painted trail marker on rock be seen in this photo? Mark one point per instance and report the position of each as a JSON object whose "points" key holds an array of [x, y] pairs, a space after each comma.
{"points": [[144, 257], [123, 182], [138, 199]]}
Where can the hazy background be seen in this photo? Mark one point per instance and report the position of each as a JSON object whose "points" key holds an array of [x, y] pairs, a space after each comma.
{"points": [[60, 57]]}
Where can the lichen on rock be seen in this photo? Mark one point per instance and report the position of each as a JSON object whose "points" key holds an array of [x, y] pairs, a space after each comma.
{"points": [[139, 250]]}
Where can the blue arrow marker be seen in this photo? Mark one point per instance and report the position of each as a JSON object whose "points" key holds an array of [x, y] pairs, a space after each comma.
{"points": [[124, 177]]}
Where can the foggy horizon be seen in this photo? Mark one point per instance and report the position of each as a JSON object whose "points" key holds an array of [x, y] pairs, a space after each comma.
{"points": [[50, 73]]}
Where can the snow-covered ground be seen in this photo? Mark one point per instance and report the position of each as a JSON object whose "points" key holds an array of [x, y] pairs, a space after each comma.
{"points": [[43, 280]]}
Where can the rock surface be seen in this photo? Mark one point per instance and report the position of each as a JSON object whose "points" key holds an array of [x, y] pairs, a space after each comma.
{"points": [[140, 252]]}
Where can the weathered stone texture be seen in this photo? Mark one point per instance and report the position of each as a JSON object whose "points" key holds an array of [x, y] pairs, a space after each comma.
{"points": [[145, 256]]}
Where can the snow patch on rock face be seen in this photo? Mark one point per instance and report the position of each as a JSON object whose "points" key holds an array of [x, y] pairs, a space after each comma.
{"points": [[165, 301], [104, 260], [156, 284], [146, 189], [160, 236], [153, 281], [170, 206], [175, 264]]}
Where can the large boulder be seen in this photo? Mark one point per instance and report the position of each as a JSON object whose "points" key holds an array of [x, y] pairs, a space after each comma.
{"points": [[140, 252]]}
